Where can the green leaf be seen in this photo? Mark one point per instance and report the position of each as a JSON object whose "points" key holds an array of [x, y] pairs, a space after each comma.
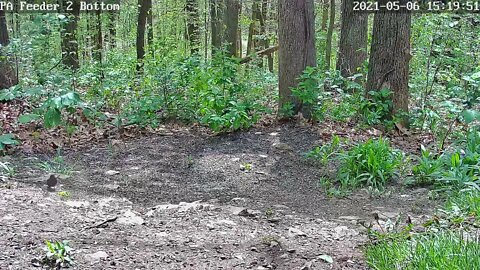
{"points": [[470, 116], [27, 118], [52, 118], [326, 258]]}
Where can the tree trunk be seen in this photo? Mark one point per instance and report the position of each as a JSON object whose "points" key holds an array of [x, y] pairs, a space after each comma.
{"points": [[353, 40], [296, 35], [331, 24], [98, 38], [112, 29], [224, 23], [150, 25], [69, 42], [390, 56], [266, 37], [193, 31], [143, 7], [253, 29], [231, 26], [324, 14], [8, 76], [217, 9]]}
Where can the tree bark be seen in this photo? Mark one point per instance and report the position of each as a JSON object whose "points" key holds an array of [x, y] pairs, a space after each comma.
{"points": [[296, 35], [112, 29], [150, 25], [217, 9], [69, 42], [390, 56], [8, 76], [193, 31], [224, 24], [231, 26], [98, 38], [253, 29], [143, 7], [324, 14], [331, 24], [353, 40]]}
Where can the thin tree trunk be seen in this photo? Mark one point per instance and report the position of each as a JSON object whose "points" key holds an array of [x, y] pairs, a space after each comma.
{"points": [[252, 29], [150, 26], [331, 24], [324, 14], [98, 38], [193, 31], [390, 56], [112, 29], [296, 35], [141, 24], [353, 40], [8, 77], [69, 44]]}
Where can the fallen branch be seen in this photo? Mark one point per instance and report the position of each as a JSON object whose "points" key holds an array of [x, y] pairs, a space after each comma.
{"points": [[267, 51], [101, 224]]}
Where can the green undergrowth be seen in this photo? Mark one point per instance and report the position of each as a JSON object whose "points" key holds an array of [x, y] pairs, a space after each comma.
{"points": [[445, 250]]}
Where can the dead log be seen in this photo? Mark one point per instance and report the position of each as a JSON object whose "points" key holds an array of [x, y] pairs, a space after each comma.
{"points": [[261, 53]]}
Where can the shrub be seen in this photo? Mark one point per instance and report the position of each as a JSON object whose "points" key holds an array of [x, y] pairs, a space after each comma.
{"points": [[372, 163]]}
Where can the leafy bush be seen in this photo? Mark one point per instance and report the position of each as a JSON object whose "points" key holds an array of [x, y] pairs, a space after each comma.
{"points": [[377, 108], [372, 164]]}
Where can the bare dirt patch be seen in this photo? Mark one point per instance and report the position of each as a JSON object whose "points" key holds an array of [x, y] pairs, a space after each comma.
{"points": [[258, 206]]}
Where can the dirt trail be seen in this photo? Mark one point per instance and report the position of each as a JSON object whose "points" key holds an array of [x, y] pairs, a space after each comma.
{"points": [[261, 206]]}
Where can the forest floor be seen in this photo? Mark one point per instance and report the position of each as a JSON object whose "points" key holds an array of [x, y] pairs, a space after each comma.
{"points": [[247, 200]]}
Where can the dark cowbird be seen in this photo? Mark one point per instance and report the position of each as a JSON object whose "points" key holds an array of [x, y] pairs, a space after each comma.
{"points": [[52, 181]]}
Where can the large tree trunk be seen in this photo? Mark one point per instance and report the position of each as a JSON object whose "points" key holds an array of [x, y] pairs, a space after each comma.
{"points": [[143, 6], [224, 23], [193, 31], [8, 76], [69, 42], [296, 35], [390, 56], [353, 40], [217, 9], [231, 26], [331, 24]]}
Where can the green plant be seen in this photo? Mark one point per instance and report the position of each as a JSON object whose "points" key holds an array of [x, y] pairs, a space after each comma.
{"points": [[428, 169], [445, 250], [7, 139], [6, 170], [64, 194], [56, 165], [325, 152], [377, 108], [372, 163], [58, 254]]}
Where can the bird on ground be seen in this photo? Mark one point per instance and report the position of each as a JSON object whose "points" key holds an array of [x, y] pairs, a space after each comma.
{"points": [[52, 181]]}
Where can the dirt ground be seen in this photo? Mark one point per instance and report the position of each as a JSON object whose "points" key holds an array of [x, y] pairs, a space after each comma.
{"points": [[186, 201]]}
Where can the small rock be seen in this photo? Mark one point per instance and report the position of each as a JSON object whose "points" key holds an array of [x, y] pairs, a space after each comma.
{"points": [[111, 172], [273, 134], [293, 232], [97, 256], [282, 147], [254, 249], [130, 218]]}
